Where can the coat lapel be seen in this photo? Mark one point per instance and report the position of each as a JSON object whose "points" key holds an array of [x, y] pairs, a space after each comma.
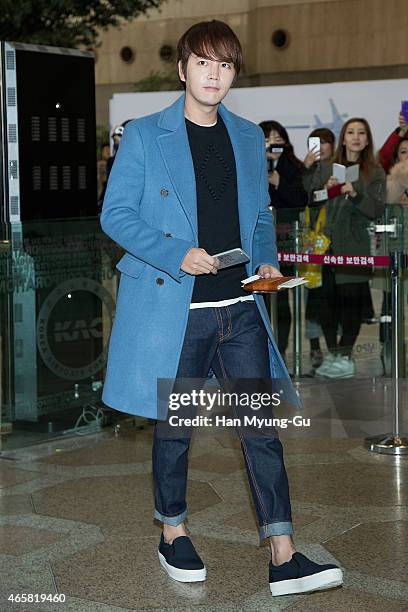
{"points": [[247, 163], [176, 154]]}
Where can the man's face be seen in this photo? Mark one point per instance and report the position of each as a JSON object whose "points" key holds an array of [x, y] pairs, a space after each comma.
{"points": [[207, 81]]}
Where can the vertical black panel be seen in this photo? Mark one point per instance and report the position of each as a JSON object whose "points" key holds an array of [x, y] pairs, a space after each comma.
{"points": [[51, 273], [56, 126]]}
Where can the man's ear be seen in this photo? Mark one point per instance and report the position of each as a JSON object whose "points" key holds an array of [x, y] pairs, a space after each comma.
{"points": [[180, 72]]}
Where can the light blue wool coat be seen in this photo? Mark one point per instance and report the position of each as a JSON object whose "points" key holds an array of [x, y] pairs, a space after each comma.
{"points": [[150, 209]]}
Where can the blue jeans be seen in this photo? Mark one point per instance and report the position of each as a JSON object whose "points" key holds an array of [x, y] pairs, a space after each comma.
{"points": [[232, 340]]}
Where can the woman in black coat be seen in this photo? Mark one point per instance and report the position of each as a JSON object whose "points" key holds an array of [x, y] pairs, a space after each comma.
{"points": [[288, 197]]}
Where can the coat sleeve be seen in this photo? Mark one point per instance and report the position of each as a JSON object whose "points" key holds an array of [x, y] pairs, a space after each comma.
{"points": [[120, 217], [386, 151], [264, 241], [314, 179], [308, 178], [371, 194]]}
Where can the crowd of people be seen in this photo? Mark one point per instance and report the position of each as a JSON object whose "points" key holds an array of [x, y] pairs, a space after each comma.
{"points": [[340, 302]]}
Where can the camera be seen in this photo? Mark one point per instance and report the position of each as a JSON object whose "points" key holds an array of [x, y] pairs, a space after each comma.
{"points": [[118, 131], [276, 149]]}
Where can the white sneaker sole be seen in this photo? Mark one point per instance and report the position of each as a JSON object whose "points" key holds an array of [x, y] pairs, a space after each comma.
{"points": [[182, 575], [334, 374], [340, 375], [323, 371], [321, 374], [316, 582]]}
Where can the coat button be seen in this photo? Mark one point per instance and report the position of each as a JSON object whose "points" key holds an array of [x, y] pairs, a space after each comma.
{"points": [[159, 281], [164, 192]]}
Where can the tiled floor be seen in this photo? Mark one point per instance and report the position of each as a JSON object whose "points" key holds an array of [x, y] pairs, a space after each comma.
{"points": [[76, 517]]}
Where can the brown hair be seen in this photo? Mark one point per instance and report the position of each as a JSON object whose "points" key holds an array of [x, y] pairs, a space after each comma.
{"points": [[213, 40], [367, 159], [268, 126], [395, 151], [324, 134]]}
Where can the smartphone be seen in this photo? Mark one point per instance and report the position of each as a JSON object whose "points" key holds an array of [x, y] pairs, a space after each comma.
{"points": [[231, 258], [404, 109], [314, 144]]}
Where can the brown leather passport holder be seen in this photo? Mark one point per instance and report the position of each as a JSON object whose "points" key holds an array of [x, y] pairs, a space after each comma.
{"points": [[267, 285]]}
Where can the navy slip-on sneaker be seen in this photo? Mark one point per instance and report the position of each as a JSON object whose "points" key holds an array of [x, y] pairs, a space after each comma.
{"points": [[181, 561], [301, 575]]}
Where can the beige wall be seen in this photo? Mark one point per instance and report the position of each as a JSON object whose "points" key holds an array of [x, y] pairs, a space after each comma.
{"points": [[331, 35], [329, 40]]}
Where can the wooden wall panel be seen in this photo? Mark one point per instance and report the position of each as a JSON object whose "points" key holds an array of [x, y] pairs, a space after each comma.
{"points": [[329, 40], [331, 35], [325, 35]]}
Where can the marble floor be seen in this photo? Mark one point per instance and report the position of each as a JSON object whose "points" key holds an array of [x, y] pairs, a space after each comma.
{"points": [[76, 516]]}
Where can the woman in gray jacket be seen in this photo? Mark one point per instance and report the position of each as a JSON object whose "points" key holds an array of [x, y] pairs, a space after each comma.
{"points": [[347, 292]]}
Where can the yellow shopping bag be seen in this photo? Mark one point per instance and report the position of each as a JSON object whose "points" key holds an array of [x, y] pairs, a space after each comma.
{"points": [[314, 242]]}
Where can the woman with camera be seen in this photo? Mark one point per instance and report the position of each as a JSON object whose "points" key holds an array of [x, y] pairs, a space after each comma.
{"points": [[288, 197]]}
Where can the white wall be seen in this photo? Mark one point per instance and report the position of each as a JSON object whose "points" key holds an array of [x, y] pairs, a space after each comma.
{"points": [[300, 108]]}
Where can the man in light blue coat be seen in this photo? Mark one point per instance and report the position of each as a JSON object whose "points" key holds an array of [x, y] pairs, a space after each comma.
{"points": [[188, 183]]}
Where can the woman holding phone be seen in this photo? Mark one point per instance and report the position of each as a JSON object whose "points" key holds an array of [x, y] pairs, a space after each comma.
{"points": [[350, 209], [321, 143]]}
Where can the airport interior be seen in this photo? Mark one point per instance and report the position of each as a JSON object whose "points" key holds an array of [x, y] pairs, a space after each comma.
{"points": [[77, 530]]}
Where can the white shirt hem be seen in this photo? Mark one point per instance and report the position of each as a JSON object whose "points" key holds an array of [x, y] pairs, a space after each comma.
{"points": [[242, 298]]}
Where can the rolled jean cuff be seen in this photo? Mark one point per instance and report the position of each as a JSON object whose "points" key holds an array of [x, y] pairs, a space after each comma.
{"points": [[275, 529], [171, 520]]}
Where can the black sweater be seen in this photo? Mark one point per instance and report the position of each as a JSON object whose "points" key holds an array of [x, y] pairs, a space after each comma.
{"points": [[217, 208]]}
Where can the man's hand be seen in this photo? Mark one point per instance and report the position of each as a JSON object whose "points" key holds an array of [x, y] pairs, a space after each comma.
{"points": [[268, 271], [198, 261]]}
